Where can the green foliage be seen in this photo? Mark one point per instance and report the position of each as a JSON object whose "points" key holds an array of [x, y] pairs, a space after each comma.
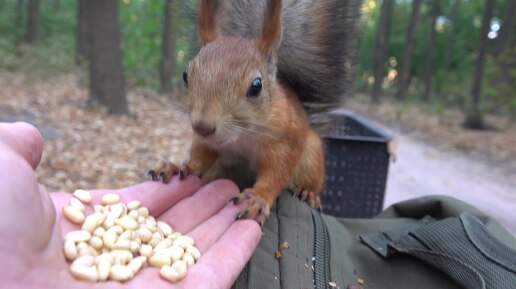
{"points": [[502, 83], [54, 52], [452, 87], [141, 27], [140, 23]]}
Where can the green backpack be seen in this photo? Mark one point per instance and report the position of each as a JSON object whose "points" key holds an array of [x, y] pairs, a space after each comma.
{"points": [[431, 242]]}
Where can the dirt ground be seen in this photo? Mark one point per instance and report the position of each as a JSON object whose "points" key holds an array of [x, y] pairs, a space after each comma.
{"points": [[87, 148], [436, 156]]}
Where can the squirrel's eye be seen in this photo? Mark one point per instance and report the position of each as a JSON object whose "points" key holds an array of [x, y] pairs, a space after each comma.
{"points": [[256, 88], [185, 77]]}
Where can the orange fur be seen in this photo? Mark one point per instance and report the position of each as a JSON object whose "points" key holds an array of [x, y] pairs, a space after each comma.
{"points": [[208, 28]]}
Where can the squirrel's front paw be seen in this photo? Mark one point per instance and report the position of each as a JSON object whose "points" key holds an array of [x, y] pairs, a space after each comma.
{"points": [[255, 207], [166, 170]]}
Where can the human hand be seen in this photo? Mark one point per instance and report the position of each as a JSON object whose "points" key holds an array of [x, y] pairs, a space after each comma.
{"points": [[32, 226]]}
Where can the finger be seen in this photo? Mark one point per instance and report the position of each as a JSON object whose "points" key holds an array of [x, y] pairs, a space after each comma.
{"points": [[220, 265], [207, 233], [24, 139], [192, 211]]}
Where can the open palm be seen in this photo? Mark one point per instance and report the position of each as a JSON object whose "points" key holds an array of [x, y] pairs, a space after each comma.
{"points": [[32, 226]]}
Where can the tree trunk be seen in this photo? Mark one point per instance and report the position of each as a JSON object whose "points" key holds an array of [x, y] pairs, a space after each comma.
{"points": [[406, 64], [508, 27], [167, 61], [427, 76], [19, 21], [107, 82], [32, 22], [82, 32], [380, 48], [474, 118], [450, 39]]}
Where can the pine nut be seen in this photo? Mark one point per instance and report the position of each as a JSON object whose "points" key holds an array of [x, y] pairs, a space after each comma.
{"points": [[99, 208], [109, 238], [84, 261], [196, 254], [84, 273], [83, 196], [121, 256], [170, 274], [181, 268], [78, 236], [146, 250], [127, 223], [159, 260], [73, 214], [135, 247], [99, 232], [134, 214], [134, 205], [104, 257], [165, 243], [74, 202], [70, 250], [156, 238], [103, 269], [110, 198], [137, 263], [108, 223], [122, 245], [176, 253], [164, 228], [174, 236], [152, 228], [188, 259], [117, 229], [92, 221], [96, 242], [144, 234], [115, 211], [121, 273], [143, 212], [126, 235], [87, 250], [184, 241]]}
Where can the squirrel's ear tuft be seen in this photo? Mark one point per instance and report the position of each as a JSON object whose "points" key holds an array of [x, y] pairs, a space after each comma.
{"points": [[271, 31], [208, 28]]}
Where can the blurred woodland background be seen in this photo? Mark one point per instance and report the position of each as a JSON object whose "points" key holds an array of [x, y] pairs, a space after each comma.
{"points": [[442, 67], [450, 53]]}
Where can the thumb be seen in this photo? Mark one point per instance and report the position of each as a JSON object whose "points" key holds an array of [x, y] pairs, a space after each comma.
{"points": [[24, 139]]}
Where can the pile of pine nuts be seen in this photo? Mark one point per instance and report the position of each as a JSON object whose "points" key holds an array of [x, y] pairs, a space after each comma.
{"points": [[117, 240]]}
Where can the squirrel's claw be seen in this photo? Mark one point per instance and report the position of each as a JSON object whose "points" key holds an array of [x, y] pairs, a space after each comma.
{"points": [[311, 198], [166, 170], [255, 207]]}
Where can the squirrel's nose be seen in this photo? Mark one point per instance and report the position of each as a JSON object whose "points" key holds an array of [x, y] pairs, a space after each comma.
{"points": [[204, 129]]}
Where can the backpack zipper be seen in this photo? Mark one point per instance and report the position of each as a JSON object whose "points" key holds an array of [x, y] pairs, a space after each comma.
{"points": [[321, 252]]}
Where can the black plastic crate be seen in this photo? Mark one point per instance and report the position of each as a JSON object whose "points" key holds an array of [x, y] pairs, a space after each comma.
{"points": [[356, 164]]}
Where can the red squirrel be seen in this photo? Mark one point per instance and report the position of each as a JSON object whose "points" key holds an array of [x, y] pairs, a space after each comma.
{"points": [[249, 90]]}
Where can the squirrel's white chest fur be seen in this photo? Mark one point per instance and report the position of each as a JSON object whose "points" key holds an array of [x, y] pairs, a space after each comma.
{"points": [[244, 149]]}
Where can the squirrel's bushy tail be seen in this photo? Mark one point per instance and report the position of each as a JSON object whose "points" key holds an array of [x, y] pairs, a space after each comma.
{"points": [[317, 45]]}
